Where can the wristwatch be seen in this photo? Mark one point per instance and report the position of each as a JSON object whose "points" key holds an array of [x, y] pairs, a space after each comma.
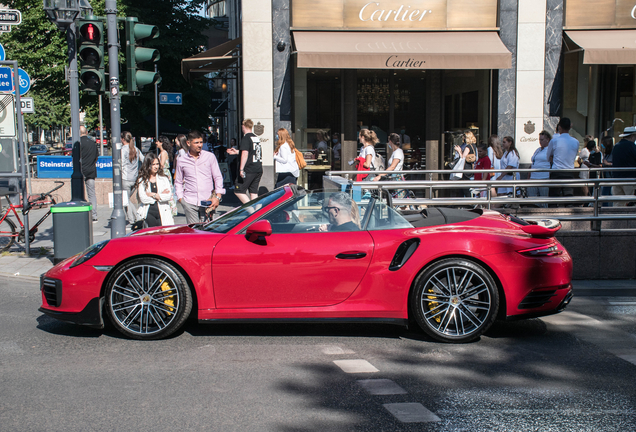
{"points": [[217, 196]]}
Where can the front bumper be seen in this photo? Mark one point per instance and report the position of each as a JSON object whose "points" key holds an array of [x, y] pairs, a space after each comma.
{"points": [[90, 316]]}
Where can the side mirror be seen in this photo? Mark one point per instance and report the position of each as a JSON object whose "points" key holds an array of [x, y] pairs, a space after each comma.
{"points": [[262, 228]]}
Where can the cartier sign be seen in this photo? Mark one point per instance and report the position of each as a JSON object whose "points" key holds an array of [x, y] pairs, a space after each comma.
{"points": [[600, 14], [394, 14]]}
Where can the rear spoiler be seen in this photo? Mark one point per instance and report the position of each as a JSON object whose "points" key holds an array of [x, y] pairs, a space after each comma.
{"points": [[541, 228]]}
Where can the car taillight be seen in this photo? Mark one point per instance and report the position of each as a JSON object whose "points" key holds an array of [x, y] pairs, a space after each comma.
{"points": [[550, 250]]}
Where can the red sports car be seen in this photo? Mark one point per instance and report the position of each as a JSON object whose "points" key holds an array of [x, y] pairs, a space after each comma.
{"points": [[294, 255]]}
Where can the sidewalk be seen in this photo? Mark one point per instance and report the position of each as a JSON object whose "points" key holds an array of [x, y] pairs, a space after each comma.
{"points": [[15, 262]]}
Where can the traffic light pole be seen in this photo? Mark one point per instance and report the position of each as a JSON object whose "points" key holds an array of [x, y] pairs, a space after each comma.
{"points": [[77, 179], [118, 218]]}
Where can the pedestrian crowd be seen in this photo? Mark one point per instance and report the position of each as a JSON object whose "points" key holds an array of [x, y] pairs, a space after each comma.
{"points": [[181, 171]]}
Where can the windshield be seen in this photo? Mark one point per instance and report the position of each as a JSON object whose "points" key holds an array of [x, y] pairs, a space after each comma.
{"points": [[234, 217]]}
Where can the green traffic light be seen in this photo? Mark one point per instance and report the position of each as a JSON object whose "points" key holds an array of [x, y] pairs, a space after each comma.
{"points": [[137, 54]]}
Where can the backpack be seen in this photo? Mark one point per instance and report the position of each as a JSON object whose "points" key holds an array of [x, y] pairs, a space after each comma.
{"points": [[300, 160], [378, 163]]}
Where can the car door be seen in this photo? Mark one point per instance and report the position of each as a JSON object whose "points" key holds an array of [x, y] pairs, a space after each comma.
{"points": [[304, 269]]}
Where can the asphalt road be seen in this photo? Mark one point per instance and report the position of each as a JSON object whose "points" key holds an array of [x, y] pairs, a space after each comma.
{"points": [[570, 372]]}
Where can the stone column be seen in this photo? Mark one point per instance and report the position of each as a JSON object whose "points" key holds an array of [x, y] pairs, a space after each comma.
{"points": [[258, 101], [506, 96], [433, 132], [349, 134], [281, 49], [530, 77], [553, 44]]}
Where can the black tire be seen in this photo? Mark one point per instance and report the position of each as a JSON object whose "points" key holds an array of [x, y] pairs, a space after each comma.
{"points": [[454, 300], [148, 298], [7, 234]]}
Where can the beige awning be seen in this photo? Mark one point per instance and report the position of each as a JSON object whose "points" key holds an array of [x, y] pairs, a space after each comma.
{"points": [[606, 46], [401, 50], [212, 60]]}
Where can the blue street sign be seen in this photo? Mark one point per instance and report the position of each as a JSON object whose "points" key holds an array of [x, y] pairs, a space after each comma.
{"points": [[6, 80], [24, 81], [170, 98], [1, 53], [62, 166], [6, 83]]}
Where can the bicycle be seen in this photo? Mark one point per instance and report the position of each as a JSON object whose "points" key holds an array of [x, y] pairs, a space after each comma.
{"points": [[8, 228]]}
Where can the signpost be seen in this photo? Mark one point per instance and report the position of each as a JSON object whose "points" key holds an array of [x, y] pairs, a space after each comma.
{"points": [[10, 17], [1, 47], [7, 116], [27, 106], [6, 81], [170, 98]]}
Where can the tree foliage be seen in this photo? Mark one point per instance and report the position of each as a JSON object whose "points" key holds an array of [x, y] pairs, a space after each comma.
{"points": [[41, 51]]}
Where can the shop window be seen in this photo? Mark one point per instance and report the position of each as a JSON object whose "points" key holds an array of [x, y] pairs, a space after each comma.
{"points": [[624, 89], [470, 108]]}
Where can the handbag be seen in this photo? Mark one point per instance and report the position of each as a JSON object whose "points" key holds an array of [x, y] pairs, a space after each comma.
{"points": [[300, 160], [140, 224]]}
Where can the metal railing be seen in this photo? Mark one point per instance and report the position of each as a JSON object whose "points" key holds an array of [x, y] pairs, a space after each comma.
{"points": [[433, 187]]}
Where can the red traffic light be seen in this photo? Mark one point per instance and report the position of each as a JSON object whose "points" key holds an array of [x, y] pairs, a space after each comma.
{"points": [[90, 32]]}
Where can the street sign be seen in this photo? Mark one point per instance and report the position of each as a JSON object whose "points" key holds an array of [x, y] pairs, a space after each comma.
{"points": [[27, 106], [5, 29], [10, 17], [24, 81], [1, 52], [6, 80], [7, 116], [170, 98]]}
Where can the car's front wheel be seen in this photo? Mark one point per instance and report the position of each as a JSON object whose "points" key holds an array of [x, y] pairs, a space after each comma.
{"points": [[148, 298], [455, 300]]}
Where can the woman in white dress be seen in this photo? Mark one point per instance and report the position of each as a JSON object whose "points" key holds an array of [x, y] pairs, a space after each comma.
{"points": [[285, 157], [509, 161]]}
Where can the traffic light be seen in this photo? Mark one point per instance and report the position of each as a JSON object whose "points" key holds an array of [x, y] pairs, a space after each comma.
{"points": [[91, 55], [136, 54]]}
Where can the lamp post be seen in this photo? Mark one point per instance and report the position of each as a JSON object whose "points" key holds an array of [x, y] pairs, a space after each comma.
{"points": [[63, 13]]}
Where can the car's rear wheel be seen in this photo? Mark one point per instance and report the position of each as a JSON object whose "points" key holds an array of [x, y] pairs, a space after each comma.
{"points": [[455, 300], [148, 298]]}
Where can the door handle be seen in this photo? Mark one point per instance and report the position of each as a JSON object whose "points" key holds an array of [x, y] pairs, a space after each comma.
{"points": [[351, 255]]}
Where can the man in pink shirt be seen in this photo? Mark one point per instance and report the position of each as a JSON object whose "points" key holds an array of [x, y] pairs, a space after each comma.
{"points": [[198, 178]]}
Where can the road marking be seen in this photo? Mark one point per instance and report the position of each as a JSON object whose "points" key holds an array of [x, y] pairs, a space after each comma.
{"points": [[381, 387], [98, 233], [411, 412], [355, 366], [622, 303], [335, 350]]}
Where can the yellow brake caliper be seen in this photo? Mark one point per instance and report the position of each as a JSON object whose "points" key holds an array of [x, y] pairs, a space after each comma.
{"points": [[169, 301], [433, 304]]}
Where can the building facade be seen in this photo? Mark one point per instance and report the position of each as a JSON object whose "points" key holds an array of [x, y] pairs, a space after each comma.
{"points": [[430, 69]]}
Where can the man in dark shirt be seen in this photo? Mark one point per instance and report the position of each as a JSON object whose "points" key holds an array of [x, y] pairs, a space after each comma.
{"points": [[88, 153], [624, 156], [340, 211], [250, 164]]}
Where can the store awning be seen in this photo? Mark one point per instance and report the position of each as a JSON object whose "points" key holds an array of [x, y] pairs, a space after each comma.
{"points": [[401, 50], [606, 46], [213, 60]]}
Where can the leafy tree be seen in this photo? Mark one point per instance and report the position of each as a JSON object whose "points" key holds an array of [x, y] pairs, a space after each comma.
{"points": [[41, 51]]}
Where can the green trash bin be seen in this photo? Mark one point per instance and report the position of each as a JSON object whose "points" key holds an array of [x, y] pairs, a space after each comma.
{"points": [[72, 228]]}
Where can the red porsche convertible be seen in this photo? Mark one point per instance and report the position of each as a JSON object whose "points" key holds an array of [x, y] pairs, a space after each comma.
{"points": [[293, 256]]}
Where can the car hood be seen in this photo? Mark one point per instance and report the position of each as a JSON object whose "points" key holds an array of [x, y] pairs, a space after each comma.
{"points": [[166, 230]]}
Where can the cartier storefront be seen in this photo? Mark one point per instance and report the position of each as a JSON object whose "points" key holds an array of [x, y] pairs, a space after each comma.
{"points": [[417, 68], [599, 66]]}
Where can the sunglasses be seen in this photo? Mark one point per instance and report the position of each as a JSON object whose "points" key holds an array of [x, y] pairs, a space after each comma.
{"points": [[327, 208]]}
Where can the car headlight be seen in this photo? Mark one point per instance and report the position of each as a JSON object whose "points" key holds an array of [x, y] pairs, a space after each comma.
{"points": [[89, 253]]}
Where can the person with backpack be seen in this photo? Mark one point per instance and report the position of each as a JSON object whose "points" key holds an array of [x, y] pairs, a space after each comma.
{"points": [[369, 139]]}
